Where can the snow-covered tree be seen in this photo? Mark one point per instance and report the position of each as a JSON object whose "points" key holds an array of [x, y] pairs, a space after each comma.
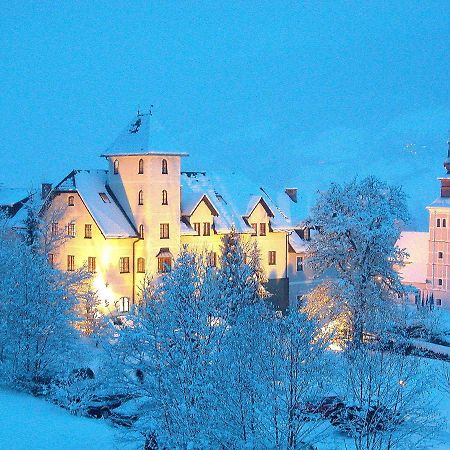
{"points": [[359, 224]]}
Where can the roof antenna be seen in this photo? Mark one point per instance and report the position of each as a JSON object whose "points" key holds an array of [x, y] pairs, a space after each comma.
{"points": [[138, 111], [150, 111]]}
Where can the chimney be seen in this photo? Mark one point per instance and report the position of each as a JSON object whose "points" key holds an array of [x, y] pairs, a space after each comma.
{"points": [[292, 193], [45, 190]]}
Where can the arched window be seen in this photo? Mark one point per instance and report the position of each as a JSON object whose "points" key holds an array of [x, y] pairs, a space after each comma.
{"points": [[124, 305], [141, 198], [164, 167], [141, 265], [141, 231], [164, 197], [116, 167], [71, 200], [141, 166]]}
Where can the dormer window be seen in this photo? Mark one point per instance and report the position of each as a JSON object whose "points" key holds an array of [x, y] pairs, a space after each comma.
{"points": [[104, 197], [71, 200], [164, 167], [141, 198], [164, 197], [116, 167], [141, 167]]}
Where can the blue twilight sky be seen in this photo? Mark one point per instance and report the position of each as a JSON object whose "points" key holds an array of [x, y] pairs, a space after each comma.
{"points": [[292, 93]]}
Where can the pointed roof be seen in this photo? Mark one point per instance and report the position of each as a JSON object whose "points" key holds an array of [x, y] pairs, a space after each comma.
{"points": [[143, 135]]}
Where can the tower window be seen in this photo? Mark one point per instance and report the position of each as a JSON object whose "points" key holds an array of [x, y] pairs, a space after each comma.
{"points": [[92, 264], [440, 255], [164, 231], [124, 264], [87, 231], [164, 167], [141, 167], [116, 167], [438, 223], [71, 200], [164, 197], [272, 258], [141, 198], [438, 302], [141, 231], [141, 265], [440, 282], [444, 223], [70, 263]]}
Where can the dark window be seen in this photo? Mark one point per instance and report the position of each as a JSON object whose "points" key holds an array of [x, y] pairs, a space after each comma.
{"points": [[124, 264], [197, 228], [206, 228], [299, 263], [444, 223], [70, 263], [164, 197], [306, 234], [124, 305], [141, 265], [51, 260], [262, 229], [141, 231], [438, 223], [272, 258], [212, 259], [164, 167], [71, 200], [255, 229], [141, 166], [440, 255], [54, 228], [104, 197], [438, 302], [164, 231], [440, 281], [164, 264], [141, 198], [116, 167], [92, 264], [71, 229], [87, 231]]}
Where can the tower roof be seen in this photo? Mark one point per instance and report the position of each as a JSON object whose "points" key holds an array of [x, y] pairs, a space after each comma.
{"points": [[143, 135]]}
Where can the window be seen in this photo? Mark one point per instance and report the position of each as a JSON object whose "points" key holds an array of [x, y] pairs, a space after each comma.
{"points": [[164, 231], [104, 197], [164, 167], [124, 305], [262, 229], [438, 222], [444, 223], [92, 264], [438, 302], [212, 259], [116, 167], [71, 229], [197, 228], [440, 281], [141, 231], [141, 265], [440, 255], [141, 167], [272, 258], [164, 197], [141, 198], [299, 263], [306, 234], [206, 228], [71, 200], [51, 259], [87, 231], [255, 229], [164, 264], [124, 264], [70, 263], [54, 228]]}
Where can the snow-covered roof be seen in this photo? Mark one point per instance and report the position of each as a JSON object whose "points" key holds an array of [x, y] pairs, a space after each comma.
{"points": [[100, 202], [11, 196], [234, 198], [416, 244], [298, 244], [440, 202], [144, 135]]}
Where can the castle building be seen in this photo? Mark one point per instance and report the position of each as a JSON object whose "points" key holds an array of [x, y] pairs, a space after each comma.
{"points": [[133, 218]]}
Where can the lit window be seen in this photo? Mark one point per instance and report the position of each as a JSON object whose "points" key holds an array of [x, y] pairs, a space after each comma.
{"points": [[51, 259], [164, 231], [116, 167], [141, 198], [272, 258], [440, 281], [141, 265], [197, 228], [71, 229], [438, 222], [70, 263], [92, 264], [55, 228], [255, 229], [87, 231], [164, 264], [299, 263], [141, 231], [444, 223], [206, 228], [71, 200], [262, 229], [124, 305], [141, 167], [164, 197], [104, 197], [440, 255], [124, 264], [164, 167]]}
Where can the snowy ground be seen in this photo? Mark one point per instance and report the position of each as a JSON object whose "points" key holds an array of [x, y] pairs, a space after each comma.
{"points": [[28, 423]]}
